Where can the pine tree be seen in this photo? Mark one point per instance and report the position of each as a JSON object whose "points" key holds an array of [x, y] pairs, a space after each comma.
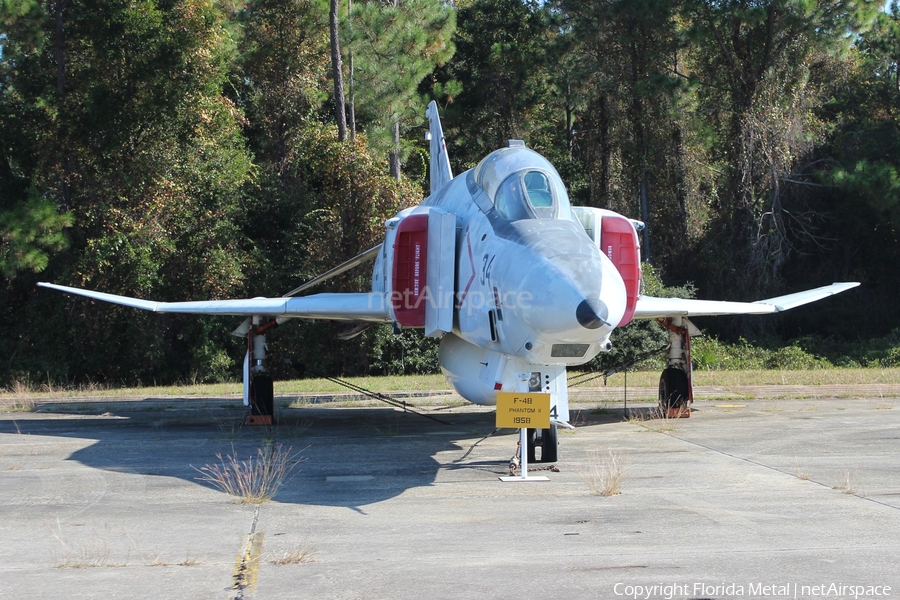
{"points": [[751, 63], [395, 46]]}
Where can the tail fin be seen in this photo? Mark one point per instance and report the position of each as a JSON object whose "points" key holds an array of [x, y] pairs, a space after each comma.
{"points": [[440, 162]]}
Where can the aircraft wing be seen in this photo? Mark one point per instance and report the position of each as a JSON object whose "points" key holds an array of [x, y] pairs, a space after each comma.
{"points": [[336, 307], [649, 307]]}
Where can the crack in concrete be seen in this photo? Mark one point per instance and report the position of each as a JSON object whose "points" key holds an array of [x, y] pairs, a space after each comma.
{"points": [[246, 568]]}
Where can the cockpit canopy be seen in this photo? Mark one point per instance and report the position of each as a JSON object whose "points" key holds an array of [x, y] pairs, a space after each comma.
{"points": [[522, 184]]}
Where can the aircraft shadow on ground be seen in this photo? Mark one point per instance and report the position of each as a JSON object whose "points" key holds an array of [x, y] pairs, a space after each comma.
{"points": [[347, 457]]}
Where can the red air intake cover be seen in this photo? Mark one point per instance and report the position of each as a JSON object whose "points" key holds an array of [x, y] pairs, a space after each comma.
{"points": [[619, 241], [408, 275]]}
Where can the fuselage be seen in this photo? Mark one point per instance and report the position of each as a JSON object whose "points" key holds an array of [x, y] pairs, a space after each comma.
{"points": [[530, 282]]}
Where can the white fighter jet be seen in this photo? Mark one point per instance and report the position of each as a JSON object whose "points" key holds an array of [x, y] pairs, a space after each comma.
{"points": [[518, 284]]}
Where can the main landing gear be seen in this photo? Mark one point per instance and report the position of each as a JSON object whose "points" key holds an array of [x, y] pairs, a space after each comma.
{"points": [[259, 390], [676, 391]]}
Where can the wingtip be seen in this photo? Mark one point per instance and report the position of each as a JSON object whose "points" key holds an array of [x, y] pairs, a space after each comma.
{"points": [[842, 286]]}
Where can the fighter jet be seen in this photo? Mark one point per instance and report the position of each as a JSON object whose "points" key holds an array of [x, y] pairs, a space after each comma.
{"points": [[516, 282]]}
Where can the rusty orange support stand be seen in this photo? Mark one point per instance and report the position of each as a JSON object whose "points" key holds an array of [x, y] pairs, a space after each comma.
{"points": [[683, 412]]}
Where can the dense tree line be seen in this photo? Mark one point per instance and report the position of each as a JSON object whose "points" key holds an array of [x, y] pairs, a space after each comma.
{"points": [[185, 149]]}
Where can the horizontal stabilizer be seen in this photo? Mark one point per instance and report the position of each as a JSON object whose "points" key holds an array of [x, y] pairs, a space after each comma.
{"points": [[655, 308], [335, 307]]}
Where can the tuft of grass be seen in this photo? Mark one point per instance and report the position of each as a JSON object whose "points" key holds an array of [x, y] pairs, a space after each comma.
{"points": [[294, 428], [187, 562], [229, 429], [21, 400], [21, 388], [297, 556], [94, 554], [797, 470], [20, 404], [885, 404], [604, 473], [846, 482], [253, 480], [86, 558], [655, 420]]}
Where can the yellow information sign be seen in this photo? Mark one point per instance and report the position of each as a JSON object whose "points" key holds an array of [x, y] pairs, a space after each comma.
{"points": [[521, 410]]}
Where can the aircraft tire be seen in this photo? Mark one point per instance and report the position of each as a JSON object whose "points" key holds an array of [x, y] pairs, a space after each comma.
{"points": [[262, 395], [532, 438], [673, 389], [550, 445]]}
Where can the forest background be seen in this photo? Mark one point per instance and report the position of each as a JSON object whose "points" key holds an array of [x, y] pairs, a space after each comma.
{"points": [[191, 149]]}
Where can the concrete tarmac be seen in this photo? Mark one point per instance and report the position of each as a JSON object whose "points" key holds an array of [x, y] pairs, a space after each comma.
{"points": [[761, 498]]}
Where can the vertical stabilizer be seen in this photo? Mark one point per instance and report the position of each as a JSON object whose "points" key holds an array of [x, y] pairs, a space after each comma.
{"points": [[440, 162]]}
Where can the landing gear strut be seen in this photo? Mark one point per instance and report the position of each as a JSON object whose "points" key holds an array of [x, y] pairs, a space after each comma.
{"points": [[676, 390]]}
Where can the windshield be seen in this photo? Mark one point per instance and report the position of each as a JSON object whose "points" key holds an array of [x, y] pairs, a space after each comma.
{"points": [[526, 195], [523, 185]]}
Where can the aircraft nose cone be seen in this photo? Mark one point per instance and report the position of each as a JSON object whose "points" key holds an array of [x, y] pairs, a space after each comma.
{"points": [[589, 317]]}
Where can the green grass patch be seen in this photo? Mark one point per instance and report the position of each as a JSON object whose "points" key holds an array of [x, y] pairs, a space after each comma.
{"points": [[20, 398], [388, 383], [833, 376]]}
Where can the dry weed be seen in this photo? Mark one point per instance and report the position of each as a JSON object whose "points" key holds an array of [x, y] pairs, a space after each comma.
{"points": [[604, 473], [297, 556], [847, 482], [253, 480]]}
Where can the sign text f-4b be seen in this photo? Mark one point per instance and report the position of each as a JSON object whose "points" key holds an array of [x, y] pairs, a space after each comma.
{"points": [[523, 410]]}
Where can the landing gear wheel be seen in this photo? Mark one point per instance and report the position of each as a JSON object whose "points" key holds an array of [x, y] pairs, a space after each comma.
{"points": [[262, 395], [673, 389], [548, 439], [550, 445], [533, 439]]}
